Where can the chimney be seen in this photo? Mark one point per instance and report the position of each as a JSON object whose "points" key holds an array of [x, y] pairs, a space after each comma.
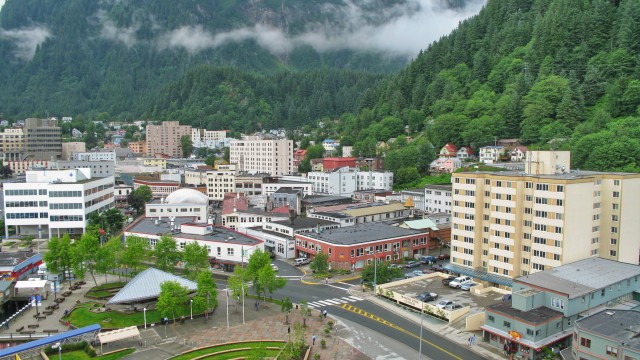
{"points": [[292, 215]]}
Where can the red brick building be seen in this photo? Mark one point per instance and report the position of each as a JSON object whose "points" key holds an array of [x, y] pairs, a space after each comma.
{"points": [[332, 163], [353, 247]]}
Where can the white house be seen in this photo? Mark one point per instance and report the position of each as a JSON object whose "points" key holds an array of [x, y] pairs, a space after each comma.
{"points": [[465, 152], [519, 153], [55, 202], [491, 154]]}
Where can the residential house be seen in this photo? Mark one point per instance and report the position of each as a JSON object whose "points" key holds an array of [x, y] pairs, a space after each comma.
{"points": [[491, 154], [465, 152], [519, 153], [448, 150], [445, 164], [508, 143], [330, 145]]}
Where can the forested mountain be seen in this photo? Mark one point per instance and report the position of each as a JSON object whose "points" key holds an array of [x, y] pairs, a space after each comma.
{"points": [[561, 74], [70, 57]]}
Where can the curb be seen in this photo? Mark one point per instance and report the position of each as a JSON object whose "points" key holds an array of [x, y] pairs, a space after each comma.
{"points": [[321, 282]]}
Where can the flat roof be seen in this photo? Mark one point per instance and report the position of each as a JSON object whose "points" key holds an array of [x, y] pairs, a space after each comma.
{"points": [[581, 277], [539, 315], [622, 325], [219, 234], [374, 209], [319, 199], [439, 187], [304, 223], [573, 174], [362, 233], [337, 215]]}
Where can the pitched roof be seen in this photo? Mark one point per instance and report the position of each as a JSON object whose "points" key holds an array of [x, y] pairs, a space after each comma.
{"points": [[146, 285], [468, 149], [450, 148], [421, 224]]}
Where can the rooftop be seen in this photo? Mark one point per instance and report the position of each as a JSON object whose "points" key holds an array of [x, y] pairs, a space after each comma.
{"points": [[219, 234], [362, 233], [535, 316], [321, 199], [581, 277], [304, 223], [439, 187], [573, 174], [373, 209], [621, 325], [337, 215]]}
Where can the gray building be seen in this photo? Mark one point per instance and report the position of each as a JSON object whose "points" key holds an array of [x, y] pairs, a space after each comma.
{"points": [[42, 139], [546, 305], [98, 168], [291, 197], [608, 334]]}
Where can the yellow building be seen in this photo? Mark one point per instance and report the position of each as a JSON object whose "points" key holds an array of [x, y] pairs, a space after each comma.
{"points": [[508, 224], [155, 162]]}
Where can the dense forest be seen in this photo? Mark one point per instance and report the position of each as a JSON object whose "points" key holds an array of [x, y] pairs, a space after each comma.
{"points": [[561, 74]]}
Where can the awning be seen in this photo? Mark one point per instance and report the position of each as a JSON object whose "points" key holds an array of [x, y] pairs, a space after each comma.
{"points": [[120, 334], [479, 274], [31, 284]]}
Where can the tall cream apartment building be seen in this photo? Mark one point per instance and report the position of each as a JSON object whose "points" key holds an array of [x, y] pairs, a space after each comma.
{"points": [[508, 224], [12, 144], [253, 155], [165, 138], [39, 139]]}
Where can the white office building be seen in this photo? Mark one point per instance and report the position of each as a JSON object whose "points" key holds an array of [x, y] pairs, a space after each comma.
{"points": [[437, 199], [95, 156], [345, 181], [55, 202], [253, 155]]}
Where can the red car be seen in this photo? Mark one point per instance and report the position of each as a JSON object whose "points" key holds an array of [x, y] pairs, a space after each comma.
{"points": [[444, 257]]}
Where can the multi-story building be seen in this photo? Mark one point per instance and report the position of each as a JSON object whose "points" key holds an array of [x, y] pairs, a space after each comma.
{"points": [[355, 246], [270, 187], [55, 202], [165, 138], [182, 202], [250, 184], [609, 334], [42, 139], [437, 199], [68, 148], [105, 155], [545, 305], [346, 181], [253, 155], [138, 147], [162, 163], [220, 182], [491, 154], [195, 177], [12, 144], [511, 224], [121, 192], [101, 168], [159, 188], [417, 197], [237, 215], [20, 167], [332, 163], [208, 138]]}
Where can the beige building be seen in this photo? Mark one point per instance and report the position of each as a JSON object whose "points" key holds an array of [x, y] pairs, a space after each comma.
{"points": [[138, 147], [509, 224], [219, 183], [68, 148], [12, 144], [195, 177], [162, 163], [252, 155], [165, 138]]}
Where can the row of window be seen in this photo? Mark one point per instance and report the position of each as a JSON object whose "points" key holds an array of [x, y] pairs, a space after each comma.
{"points": [[42, 215], [66, 218], [25, 203], [98, 189], [65, 194], [65, 206], [25, 192]]}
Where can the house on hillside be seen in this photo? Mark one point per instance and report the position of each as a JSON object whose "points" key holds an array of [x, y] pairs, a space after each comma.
{"points": [[519, 153], [445, 165], [448, 150], [465, 152], [509, 143], [491, 154]]}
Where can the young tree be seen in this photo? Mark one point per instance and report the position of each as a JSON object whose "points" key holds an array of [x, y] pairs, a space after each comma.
{"points": [[268, 281], [172, 295], [238, 282], [58, 258], [144, 192], [136, 251], [207, 295], [107, 256], [84, 254], [384, 274], [257, 261], [196, 259], [286, 309], [114, 219], [167, 253], [186, 145], [320, 263]]}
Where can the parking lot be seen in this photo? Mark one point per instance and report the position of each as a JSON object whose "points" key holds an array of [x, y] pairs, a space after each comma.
{"points": [[433, 284]]}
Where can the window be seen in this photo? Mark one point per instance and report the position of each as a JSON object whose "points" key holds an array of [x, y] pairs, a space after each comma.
{"points": [[506, 324], [585, 342], [614, 217], [491, 318], [616, 194], [613, 253], [614, 241], [229, 251], [557, 303], [612, 351], [529, 332]]}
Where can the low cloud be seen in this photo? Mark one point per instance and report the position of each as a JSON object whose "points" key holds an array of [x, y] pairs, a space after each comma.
{"points": [[26, 40], [110, 31], [400, 30]]}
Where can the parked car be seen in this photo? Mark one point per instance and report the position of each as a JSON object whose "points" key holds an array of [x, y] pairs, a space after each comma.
{"points": [[301, 261], [428, 259], [447, 280], [395, 266], [409, 275], [427, 271], [444, 257], [455, 283], [412, 264], [453, 307], [439, 268], [427, 296], [467, 285], [274, 267], [443, 304], [417, 273]]}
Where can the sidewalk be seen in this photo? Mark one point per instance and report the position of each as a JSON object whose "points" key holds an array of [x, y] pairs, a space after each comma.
{"points": [[308, 278], [437, 326]]}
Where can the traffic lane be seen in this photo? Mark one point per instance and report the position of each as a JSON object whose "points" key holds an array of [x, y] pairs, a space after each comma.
{"points": [[286, 269], [405, 331], [297, 292]]}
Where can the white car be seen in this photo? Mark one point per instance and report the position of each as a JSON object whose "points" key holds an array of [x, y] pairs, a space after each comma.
{"points": [[455, 283], [274, 267]]}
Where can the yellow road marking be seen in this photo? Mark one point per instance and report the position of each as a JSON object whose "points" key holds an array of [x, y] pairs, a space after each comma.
{"points": [[355, 310]]}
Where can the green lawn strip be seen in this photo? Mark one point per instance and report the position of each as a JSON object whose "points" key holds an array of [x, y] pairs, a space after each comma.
{"points": [[81, 355], [218, 348], [99, 293], [111, 285], [247, 354], [81, 316]]}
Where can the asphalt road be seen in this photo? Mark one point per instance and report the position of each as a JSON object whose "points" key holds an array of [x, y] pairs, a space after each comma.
{"points": [[371, 316]]}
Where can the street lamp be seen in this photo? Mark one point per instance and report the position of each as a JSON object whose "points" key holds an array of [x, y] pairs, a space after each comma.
{"points": [[191, 303], [421, 316], [375, 274], [144, 310], [58, 346]]}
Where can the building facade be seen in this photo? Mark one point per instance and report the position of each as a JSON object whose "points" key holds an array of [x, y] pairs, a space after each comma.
{"points": [[514, 224], [438, 199], [68, 148], [98, 168], [159, 188], [273, 157], [607, 334], [108, 155], [42, 139], [12, 144], [55, 202], [219, 183], [165, 138]]}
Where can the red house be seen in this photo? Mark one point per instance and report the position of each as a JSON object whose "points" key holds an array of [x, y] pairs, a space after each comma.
{"points": [[332, 163], [353, 247]]}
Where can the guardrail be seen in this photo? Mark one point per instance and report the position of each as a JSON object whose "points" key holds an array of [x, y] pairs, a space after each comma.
{"points": [[16, 314]]}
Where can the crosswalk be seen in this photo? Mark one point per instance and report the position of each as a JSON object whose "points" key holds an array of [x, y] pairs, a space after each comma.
{"points": [[334, 301]]}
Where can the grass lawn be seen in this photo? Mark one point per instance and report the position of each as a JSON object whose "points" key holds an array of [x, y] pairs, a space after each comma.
{"points": [[110, 285], [82, 316], [246, 353], [81, 355]]}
